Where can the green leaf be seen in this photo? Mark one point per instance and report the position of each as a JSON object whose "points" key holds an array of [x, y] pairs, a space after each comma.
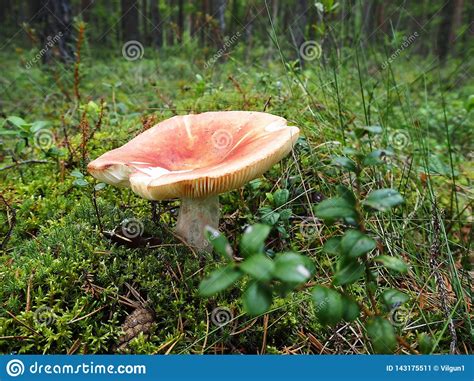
{"points": [[285, 214], [219, 280], [376, 157], [253, 239], [268, 215], [280, 197], [425, 343], [354, 243], [219, 242], [328, 303], [293, 268], [77, 174], [383, 199], [100, 186], [349, 273], [347, 194], [344, 162], [392, 297], [351, 308], [392, 263], [332, 245], [17, 121], [38, 125], [335, 208], [381, 334], [372, 129], [80, 182], [257, 298], [258, 266]]}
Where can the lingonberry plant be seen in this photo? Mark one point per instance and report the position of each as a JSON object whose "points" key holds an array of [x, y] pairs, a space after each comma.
{"points": [[358, 257]]}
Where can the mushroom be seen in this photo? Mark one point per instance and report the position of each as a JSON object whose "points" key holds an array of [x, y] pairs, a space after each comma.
{"points": [[195, 158]]}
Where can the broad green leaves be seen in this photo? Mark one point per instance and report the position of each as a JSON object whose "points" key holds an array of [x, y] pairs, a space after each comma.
{"points": [[219, 242], [266, 276], [219, 280], [381, 334], [392, 297], [349, 272], [257, 298], [345, 162], [331, 307], [383, 199], [354, 244], [293, 268], [259, 266], [335, 208], [392, 263], [253, 240]]}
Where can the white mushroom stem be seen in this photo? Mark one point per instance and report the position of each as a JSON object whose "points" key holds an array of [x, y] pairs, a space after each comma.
{"points": [[194, 215]]}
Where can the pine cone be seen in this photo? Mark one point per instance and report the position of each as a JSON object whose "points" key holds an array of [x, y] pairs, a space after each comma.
{"points": [[140, 320]]}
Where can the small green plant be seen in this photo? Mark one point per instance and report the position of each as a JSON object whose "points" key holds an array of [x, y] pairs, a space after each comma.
{"points": [[265, 276], [353, 250]]}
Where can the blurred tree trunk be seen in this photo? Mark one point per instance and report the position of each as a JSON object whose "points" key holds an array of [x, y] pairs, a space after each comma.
{"points": [[203, 22], [456, 21], [234, 17], [221, 7], [129, 20], [145, 18], [55, 19], [86, 7], [180, 23], [298, 26], [171, 30], [5, 8], [444, 31], [157, 31]]}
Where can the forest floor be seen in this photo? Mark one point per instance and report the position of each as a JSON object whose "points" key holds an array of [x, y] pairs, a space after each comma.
{"points": [[67, 288]]}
